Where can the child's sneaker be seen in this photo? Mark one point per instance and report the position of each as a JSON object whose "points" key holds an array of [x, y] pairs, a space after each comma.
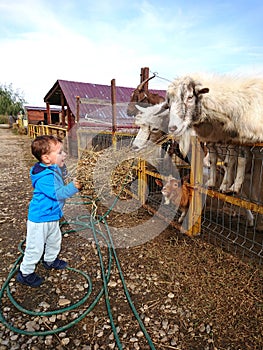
{"points": [[56, 264], [31, 280]]}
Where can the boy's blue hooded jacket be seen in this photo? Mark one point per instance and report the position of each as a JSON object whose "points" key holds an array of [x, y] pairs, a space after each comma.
{"points": [[49, 194]]}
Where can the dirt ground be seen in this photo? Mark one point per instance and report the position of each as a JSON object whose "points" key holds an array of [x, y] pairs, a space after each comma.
{"points": [[189, 294]]}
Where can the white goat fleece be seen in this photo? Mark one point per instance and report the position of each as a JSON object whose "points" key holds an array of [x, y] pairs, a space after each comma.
{"points": [[153, 121], [231, 105], [233, 101]]}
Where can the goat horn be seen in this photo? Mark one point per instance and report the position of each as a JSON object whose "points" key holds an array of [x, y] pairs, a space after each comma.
{"points": [[140, 86]]}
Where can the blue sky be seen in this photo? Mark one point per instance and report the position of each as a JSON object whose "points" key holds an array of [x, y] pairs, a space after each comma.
{"points": [[95, 41]]}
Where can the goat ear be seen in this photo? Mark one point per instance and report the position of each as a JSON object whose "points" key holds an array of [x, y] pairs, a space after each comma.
{"points": [[186, 178], [140, 108], [165, 104], [200, 90], [159, 182], [163, 110]]}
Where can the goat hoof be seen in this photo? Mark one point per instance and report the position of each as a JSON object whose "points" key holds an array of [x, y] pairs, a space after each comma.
{"points": [[234, 190], [226, 189], [210, 185], [228, 192], [223, 189]]}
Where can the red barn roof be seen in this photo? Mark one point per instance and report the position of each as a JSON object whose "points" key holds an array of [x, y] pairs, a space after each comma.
{"points": [[95, 101], [42, 109]]}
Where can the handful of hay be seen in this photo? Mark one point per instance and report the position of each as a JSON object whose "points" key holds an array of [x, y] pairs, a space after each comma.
{"points": [[106, 172]]}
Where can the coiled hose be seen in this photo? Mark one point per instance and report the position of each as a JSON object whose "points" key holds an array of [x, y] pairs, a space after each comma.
{"points": [[83, 222]]}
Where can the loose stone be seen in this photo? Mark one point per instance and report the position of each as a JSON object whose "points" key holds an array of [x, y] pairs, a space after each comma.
{"points": [[65, 341], [48, 340], [63, 302], [53, 318]]}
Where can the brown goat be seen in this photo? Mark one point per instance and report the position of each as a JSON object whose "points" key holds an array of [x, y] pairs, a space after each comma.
{"points": [[178, 194], [142, 98]]}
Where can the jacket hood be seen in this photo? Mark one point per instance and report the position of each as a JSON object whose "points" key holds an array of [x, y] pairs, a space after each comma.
{"points": [[39, 170]]}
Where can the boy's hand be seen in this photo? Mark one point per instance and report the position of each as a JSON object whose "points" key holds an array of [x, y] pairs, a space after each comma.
{"points": [[77, 184]]}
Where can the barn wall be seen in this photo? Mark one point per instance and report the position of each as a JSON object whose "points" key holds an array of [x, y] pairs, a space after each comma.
{"points": [[35, 116]]}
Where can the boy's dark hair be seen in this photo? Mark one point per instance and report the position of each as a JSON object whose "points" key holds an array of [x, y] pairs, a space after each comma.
{"points": [[42, 144]]}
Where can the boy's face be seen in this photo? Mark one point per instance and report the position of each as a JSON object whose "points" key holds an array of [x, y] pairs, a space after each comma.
{"points": [[55, 156]]}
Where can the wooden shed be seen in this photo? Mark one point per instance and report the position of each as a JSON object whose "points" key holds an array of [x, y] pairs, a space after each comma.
{"points": [[90, 104], [38, 115], [97, 107]]}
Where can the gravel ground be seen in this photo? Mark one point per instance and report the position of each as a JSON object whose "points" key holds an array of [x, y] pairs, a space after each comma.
{"points": [[190, 295]]}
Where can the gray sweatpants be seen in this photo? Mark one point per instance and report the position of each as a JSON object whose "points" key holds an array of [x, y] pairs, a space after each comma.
{"points": [[41, 237]]}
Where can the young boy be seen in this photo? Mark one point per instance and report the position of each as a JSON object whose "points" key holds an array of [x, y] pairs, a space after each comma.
{"points": [[45, 209]]}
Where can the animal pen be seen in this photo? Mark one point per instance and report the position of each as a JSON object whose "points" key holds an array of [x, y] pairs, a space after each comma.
{"points": [[218, 218]]}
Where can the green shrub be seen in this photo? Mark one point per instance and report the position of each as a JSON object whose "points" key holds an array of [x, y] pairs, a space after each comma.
{"points": [[3, 119]]}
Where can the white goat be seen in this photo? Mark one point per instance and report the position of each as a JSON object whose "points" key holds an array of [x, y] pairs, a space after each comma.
{"points": [[152, 131], [233, 157], [153, 122], [233, 109], [236, 103]]}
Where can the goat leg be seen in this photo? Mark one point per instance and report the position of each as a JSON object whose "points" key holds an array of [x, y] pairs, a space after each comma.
{"points": [[240, 176], [211, 182], [183, 215], [229, 167]]}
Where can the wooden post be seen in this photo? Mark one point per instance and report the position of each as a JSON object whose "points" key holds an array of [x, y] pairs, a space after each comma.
{"points": [[195, 209], [146, 76], [141, 75], [63, 120], [113, 104], [77, 108], [48, 114], [142, 180], [69, 119]]}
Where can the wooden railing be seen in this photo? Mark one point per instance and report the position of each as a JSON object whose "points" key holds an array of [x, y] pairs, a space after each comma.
{"points": [[36, 130]]}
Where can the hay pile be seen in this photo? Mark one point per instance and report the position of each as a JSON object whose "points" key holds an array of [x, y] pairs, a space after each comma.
{"points": [[106, 173]]}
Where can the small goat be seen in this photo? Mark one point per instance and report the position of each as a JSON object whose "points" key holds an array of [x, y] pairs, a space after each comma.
{"points": [[178, 194]]}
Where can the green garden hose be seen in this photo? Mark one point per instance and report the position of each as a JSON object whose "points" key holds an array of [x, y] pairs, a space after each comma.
{"points": [[83, 222]]}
